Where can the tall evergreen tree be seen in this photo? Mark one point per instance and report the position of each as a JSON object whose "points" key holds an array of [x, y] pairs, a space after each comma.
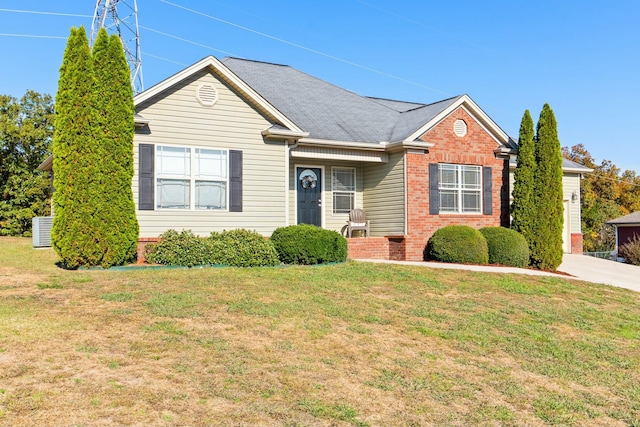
{"points": [[76, 161], [523, 209], [546, 246], [113, 100]]}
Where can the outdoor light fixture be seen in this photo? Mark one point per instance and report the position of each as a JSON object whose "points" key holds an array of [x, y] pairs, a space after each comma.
{"points": [[574, 197]]}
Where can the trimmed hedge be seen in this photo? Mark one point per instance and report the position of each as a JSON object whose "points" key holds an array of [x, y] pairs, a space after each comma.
{"points": [[238, 248], [457, 243], [242, 248], [307, 244], [506, 246], [184, 248]]}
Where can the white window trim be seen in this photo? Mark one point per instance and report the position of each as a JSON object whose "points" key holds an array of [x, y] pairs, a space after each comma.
{"points": [[192, 179], [459, 190], [355, 187]]}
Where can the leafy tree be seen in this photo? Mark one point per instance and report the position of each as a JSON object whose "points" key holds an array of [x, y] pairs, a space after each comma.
{"points": [[546, 244], [113, 101], [606, 193], [523, 209], [76, 161], [26, 128]]}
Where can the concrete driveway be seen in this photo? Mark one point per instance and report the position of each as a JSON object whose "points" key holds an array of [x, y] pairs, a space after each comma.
{"points": [[598, 270]]}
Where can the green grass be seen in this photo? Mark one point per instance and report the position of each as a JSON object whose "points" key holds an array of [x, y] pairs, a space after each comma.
{"points": [[349, 344]]}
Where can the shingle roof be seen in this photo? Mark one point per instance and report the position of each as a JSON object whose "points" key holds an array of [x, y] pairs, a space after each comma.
{"points": [[632, 218], [330, 112]]}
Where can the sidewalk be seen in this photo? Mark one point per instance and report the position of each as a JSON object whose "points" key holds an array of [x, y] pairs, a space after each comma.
{"points": [[579, 267]]}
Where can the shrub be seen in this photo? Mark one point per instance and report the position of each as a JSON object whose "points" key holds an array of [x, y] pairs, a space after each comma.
{"points": [[184, 248], [242, 248], [308, 244], [457, 243], [631, 251], [506, 246]]}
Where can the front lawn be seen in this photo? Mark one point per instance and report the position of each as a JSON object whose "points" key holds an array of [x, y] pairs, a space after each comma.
{"points": [[349, 344]]}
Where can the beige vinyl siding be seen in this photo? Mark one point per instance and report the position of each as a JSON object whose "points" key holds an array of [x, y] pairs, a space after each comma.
{"points": [[571, 184], [384, 196], [178, 119], [330, 220]]}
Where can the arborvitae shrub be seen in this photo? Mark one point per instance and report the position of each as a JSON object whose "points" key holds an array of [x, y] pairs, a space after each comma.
{"points": [[308, 244], [459, 244], [184, 248], [546, 245], [506, 246], [631, 251], [242, 248]]}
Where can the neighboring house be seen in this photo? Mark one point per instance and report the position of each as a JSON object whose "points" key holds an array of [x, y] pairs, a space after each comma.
{"points": [[627, 228], [245, 144]]}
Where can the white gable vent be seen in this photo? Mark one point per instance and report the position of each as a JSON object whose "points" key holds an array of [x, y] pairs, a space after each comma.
{"points": [[207, 95], [460, 128]]}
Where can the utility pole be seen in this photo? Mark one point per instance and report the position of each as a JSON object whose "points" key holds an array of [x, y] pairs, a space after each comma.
{"points": [[121, 17]]}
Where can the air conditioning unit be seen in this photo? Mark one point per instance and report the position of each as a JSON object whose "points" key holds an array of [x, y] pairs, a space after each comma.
{"points": [[41, 231]]}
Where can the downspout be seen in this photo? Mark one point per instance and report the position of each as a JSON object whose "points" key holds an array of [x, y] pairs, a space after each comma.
{"points": [[287, 175]]}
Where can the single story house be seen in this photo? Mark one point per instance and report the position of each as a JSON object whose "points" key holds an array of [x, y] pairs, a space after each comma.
{"points": [[627, 228], [236, 143]]}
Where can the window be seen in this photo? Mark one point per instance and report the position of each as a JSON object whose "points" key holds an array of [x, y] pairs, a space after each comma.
{"points": [[189, 178], [460, 188], [343, 189]]}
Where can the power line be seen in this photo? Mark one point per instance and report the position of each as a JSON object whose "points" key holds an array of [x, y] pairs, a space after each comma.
{"points": [[296, 45], [185, 40], [308, 49], [33, 12], [35, 36]]}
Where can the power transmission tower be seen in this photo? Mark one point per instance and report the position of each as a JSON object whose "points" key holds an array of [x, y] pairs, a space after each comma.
{"points": [[121, 17]]}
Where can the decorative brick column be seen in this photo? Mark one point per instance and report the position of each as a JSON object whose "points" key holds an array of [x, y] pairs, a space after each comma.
{"points": [[142, 244], [576, 243]]}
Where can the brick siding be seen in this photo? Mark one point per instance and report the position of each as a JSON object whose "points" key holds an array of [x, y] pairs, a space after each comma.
{"points": [[475, 148]]}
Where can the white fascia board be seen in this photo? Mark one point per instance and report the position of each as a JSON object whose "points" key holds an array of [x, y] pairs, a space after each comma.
{"points": [[215, 64], [284, 134], [342, 144], [475, 111], [47, 164]]}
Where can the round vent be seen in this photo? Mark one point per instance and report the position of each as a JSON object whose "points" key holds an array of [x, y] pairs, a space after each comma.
{"points": [[460, 128], [207, 95]]}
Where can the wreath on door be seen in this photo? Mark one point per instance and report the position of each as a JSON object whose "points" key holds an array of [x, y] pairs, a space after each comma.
{"points": [[308, 179]]}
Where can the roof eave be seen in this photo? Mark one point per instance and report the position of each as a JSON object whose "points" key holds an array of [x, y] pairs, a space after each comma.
{"points": [[329, 143], [47, 164], [287, 134]]}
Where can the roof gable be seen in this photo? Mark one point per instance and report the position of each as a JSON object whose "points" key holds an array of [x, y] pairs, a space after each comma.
{"points": [[226, 75], [451, 105]]}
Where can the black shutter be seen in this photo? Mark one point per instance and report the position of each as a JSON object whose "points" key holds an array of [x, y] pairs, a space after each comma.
{"points": [[434, 196], [146, 163], [235, 181], [487, 185]]}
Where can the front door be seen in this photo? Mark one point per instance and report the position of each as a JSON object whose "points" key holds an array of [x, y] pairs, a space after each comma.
{"points": [[309, 190]]}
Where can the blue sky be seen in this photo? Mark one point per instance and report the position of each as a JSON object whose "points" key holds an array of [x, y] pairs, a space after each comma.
{"points": [[581, 57]]}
